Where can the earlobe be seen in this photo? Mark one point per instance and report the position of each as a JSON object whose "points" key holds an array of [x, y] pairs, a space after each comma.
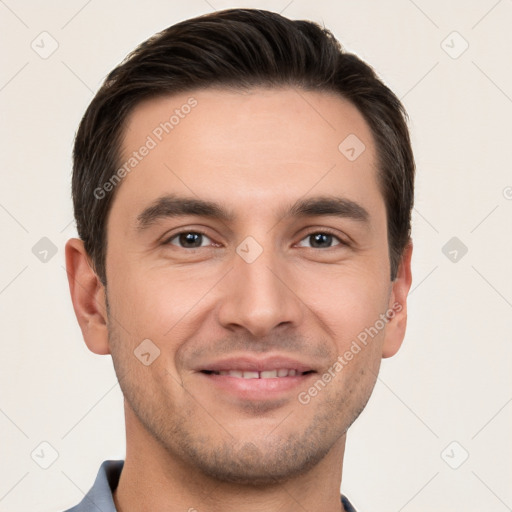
{"points": [[88, 297], [395, 329]]}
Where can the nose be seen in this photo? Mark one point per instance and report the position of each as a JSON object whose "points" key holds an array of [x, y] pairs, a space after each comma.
{"points": [[259, 296]]}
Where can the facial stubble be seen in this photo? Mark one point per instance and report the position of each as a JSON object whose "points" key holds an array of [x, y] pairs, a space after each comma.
{"points": [[193, 435]]}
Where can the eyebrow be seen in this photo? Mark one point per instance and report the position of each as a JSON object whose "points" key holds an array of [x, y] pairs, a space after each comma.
{"points": [[169, 206]]}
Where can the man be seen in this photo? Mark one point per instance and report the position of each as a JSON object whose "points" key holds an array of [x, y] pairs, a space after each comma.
{"points": [[243, 191]]}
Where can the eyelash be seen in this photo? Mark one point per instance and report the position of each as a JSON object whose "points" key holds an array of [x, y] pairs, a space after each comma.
{"points": [[324, 231]]}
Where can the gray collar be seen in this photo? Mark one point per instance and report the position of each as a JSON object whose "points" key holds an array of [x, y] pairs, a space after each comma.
{"points": [[99, 498]]}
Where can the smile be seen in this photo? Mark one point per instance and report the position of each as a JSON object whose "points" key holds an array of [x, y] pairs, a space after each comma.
{"points": [[266, 374]]}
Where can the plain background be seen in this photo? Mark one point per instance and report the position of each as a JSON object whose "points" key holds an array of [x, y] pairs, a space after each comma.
{"points": [[447, 394]]}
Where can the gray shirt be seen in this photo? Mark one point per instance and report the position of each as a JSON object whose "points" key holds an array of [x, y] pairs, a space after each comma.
{"points": [[99, 498]]}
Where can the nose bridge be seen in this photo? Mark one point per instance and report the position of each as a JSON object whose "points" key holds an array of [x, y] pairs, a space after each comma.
{"points": [[258, 294]]}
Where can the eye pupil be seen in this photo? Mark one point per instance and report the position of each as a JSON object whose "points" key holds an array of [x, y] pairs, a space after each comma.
{"points": [[321, 239], [191, 239]]}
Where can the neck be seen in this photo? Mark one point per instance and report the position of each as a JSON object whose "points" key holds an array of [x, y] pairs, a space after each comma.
{"points": [[154, 479]]}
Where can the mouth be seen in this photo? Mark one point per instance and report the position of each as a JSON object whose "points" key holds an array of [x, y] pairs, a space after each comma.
{"points": [[250, 379], [265, 374]]}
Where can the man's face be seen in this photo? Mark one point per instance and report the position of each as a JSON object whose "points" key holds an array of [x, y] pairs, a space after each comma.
{"points": [[265, 288]]}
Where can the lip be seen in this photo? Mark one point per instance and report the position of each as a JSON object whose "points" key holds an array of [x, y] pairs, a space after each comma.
{"points": [[246, 363], [261, 389]]}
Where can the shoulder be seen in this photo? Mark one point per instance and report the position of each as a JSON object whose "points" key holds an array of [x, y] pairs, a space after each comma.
{"points": [[99, 496], [347, 505]]}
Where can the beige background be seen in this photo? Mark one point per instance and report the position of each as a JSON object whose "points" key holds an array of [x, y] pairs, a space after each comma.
{"points": [[452, 379]]}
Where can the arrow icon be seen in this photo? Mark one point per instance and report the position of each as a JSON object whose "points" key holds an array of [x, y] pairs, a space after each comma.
{"points": [[44, 250], [454, 249], [243, 249], [45, 45], [351, 147], [455, 455], [147, 352], [454, 45], [44, 455]]}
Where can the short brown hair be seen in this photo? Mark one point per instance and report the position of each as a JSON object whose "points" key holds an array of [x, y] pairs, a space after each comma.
{"points": [[240, 48]]}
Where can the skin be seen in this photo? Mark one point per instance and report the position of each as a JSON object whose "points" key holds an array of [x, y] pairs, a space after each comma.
{"points": [[255, 153]]}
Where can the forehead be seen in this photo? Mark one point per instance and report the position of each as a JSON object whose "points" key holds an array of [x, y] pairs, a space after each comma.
{"points": [[250, 148]]}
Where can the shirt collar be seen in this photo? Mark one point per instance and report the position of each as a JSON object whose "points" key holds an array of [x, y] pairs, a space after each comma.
{"points": [[99, 498]]}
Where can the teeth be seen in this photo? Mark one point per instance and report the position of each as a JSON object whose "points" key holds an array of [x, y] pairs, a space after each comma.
{"points": [[251, 375], [267, 374]]}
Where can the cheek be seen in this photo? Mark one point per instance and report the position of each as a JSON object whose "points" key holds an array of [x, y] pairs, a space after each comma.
{"points": [[347, 300], [157, 302]]}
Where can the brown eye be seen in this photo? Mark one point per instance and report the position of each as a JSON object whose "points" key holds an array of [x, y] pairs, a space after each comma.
{"points": [[189, 239]]}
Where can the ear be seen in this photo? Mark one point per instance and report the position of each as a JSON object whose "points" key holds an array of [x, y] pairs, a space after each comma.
{"points": [[88, 296], [397, 306]]}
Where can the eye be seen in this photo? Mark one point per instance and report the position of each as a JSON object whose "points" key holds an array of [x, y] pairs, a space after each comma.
{"points": [[189, 240], [321, 240]]}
